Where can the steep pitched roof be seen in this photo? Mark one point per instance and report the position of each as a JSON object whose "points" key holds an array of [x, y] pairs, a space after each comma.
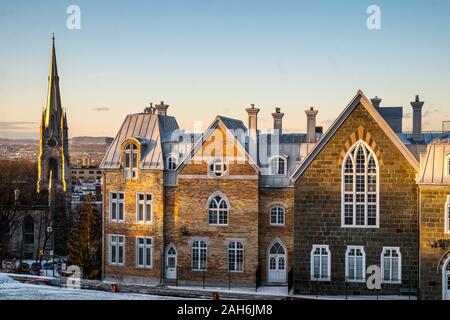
{"points": [[151, 129], [230, 125], [359, 98]]}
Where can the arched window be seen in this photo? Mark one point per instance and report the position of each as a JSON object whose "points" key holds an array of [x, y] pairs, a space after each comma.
{"points": [[218, 168], [172, 162], [130, 159], [277, 165], [28, 230], [218, 211], [277, 215], [360, 195]]}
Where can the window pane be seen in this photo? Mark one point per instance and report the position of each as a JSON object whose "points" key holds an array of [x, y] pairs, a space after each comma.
{"points": [[148, 212], [113, 254], [324, 267], [140, 212], [120, 254], [141, 256], [113, 211], [360, 215], [148, 256], [121, 211]]}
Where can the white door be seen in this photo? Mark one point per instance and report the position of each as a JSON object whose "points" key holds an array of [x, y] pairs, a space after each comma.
{"points": [[171, 263], [446, 281], [277, 263]]}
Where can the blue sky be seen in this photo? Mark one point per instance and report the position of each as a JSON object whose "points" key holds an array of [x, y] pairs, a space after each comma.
{"points": [[217, 57]]}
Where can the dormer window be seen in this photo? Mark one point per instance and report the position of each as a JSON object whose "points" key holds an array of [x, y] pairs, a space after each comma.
{"points": [[218, 168], [277, 165], [130, 160], [171, 162]]}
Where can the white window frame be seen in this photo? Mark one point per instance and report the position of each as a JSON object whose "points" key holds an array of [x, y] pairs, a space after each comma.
{"points": [[447, 216], [278, 158], [144, 247], [172, 159], [117, 244], [327, 248], [219, 168], [144, 203], [447, 165], [119, 202], [399, 266], [236, 250], [130, 172], [347, 264], [199, 248], [217, 210], [366, 193], [277, 207]]}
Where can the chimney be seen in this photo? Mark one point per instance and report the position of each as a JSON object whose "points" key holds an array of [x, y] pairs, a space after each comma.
{"points": [[253, 131], [311, 124], [277, 121], [162, 108], [417, 119], [376, 102]]}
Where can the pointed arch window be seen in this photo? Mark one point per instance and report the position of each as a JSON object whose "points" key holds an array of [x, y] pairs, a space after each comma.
{"points": [[360, 181], [218, 211], [130, 160]]}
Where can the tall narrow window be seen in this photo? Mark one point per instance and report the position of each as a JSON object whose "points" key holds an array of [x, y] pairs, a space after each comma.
{"points": [[320, 263], [355, 264], [277, 215], [218, 211], [447, 216], [116, 250], [199, 255], [360, 188], [116, 206], [277, 165], [143, 207], [391, 265], [144, 252], [236, 256], [28, 230], [172, 162], [130, 160], [447, 165]]}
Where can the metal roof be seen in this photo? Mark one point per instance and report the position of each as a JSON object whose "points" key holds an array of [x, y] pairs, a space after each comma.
{"points": [[434, 164]]}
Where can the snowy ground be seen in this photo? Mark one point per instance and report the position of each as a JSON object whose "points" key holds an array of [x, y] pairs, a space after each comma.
{"points": [[14, 290]]}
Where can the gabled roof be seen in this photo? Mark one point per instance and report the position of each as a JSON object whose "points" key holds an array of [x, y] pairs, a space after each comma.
{"points": [[433, 164], [229, 125], [144, 127], [359, 98]]}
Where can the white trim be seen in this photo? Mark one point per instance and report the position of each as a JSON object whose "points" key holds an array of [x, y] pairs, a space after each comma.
{"points": [[208, 202], [117, 250], [225, 170], [271, 244], [208, 177], [199, 255], [236, 249], [327, 248], [445, 291], [171, 156], [399, 265], [447, 165], [166, 260], [447, 216], [118, 202], [144, 213], [277, 205], [273, 158], [144, 247], [366, 185], [361, 248]]}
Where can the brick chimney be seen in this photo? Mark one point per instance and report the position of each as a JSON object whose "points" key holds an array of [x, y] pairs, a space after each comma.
{"points": [[278, 121], [162, 108], [417, 119], [376, 102], [253, 131], [311, 124]]}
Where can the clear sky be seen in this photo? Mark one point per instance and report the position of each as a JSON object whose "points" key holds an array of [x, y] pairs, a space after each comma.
{"points": [[213, 57]]}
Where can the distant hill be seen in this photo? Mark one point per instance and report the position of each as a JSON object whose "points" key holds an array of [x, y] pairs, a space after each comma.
{"points": [[91, 140]]}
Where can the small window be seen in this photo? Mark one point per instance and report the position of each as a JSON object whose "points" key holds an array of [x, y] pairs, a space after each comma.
{"points": [[172, 162], [218, 211], [320, 263], [391, 265], [199, 255], [143, 208], [277, 215], [236, 256], [130, 160], [144, 252], [218, 168], [116, 250], [277, 165], [116, 206], [355, 264]]}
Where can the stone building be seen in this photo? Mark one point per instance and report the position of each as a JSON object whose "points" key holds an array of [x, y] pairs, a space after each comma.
{"points": [[216, 206]]}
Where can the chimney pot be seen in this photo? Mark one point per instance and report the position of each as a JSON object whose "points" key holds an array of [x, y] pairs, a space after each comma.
{"points": [[253, 131], [311, 124], [162, 108], [277, 121]]}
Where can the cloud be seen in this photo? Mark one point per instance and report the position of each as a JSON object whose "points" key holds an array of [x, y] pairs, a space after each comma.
{"points": [[16, 126], [101, 109]]}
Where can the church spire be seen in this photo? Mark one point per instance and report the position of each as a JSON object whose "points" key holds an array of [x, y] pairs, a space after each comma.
{"points": [[53, 108]]}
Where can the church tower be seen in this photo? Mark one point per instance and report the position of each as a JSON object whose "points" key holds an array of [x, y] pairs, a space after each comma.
{"points": [[53, 162]]}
